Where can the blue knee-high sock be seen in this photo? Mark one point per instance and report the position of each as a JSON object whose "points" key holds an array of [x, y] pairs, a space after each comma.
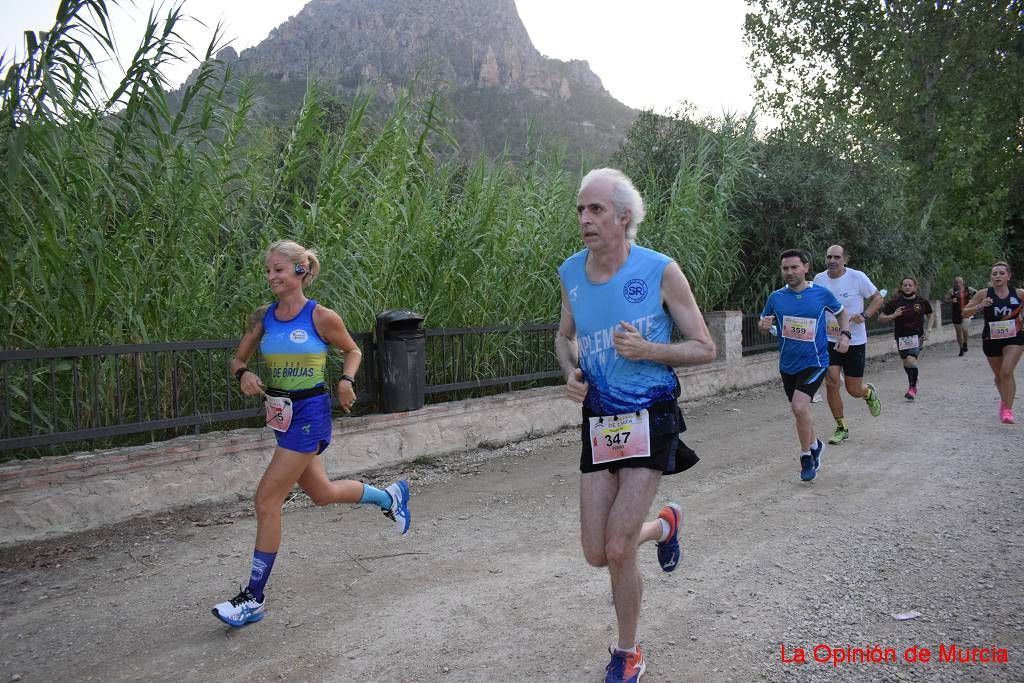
{"points": [[262, 563], [378, 497]]}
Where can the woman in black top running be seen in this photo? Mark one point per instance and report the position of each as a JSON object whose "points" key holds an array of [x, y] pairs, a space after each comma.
{"points": [[912, 316], [1003, 336]]}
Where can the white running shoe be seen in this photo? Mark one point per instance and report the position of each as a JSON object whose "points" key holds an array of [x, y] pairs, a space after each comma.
{"points": [[240, 610], [399, 511]]}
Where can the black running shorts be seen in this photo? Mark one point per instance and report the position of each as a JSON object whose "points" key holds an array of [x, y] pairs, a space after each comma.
{"points": [[852, 362], [915, 352], [993, 348], [806, 381], [669, 454]]}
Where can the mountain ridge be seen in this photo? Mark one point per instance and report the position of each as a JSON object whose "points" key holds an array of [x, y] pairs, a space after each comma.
{"points": [[477, 53]]}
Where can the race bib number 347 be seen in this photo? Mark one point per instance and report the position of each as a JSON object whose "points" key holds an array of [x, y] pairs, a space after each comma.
{"points": [[619, 437]]}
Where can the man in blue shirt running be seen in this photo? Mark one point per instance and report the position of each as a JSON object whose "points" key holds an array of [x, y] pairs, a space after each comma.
{"points": [[797, 312]]}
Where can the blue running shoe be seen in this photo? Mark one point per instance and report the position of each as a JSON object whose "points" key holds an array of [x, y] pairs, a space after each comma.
{"points": [[625, 667], [817, 452], [669, 553], [807, 470], [240, 610], [399, 511]]}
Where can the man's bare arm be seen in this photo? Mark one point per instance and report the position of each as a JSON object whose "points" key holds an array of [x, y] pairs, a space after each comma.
{"points": [[696, 348]]}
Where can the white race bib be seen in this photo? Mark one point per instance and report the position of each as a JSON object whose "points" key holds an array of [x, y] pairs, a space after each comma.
{"points": [[833, 327], [619, 437], [911, 342], [279, 412], [1002, 329], [799, 329]]}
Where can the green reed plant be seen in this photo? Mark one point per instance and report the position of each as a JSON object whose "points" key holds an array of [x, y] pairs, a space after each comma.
{"points": [[692, 175], [134, 221]]}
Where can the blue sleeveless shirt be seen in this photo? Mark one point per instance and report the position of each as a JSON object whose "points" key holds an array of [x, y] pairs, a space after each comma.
{"points": [[294, 352], [633, 294]]}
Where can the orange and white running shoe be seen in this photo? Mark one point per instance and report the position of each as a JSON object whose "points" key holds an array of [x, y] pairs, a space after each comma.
{"points": [[625, 667], [669, 553]]}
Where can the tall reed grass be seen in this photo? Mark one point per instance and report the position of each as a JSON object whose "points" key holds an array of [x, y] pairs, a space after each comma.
{"points": [[127, 220]]}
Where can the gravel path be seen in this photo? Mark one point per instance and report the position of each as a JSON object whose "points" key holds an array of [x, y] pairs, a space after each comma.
{"points": [[921, 510]]}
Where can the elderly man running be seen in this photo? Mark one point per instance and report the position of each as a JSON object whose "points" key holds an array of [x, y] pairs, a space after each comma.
{"points": [[619, 302]]}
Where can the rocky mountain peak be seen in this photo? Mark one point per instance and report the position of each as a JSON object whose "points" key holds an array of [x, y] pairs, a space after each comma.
{"points": [[477, 52]]}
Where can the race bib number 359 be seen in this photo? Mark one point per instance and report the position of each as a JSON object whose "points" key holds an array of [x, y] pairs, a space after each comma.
{"points": [[619, 437], [799, 329]]}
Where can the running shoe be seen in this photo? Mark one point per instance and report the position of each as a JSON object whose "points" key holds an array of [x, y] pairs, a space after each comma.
{"points": [[911, 393], [816, 453], [668, 550], [240, 610], [839, 436], [807, 470], [874, 405], [399, 510], [625, 667], [1006, 415]]}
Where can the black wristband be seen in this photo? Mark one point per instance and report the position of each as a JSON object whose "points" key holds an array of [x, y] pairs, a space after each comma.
{"points": [[241, 371], [847, 334], [351, 380]]}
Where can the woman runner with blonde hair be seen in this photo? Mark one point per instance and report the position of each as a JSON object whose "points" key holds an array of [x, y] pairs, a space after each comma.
{"points": [[294, 335]]}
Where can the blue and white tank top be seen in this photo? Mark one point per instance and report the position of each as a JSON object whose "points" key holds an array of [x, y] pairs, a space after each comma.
{"points": [[633, 294], [294, 352]]}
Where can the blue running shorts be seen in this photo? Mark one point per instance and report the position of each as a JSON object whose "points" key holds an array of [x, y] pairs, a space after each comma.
{"points": [[310, 430]]}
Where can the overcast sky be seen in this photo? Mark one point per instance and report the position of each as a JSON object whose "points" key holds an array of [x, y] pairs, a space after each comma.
{"points": [[648, 53]]}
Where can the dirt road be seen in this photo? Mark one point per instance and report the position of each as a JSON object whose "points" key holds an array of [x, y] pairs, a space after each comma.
{"points": [[922, 510]]}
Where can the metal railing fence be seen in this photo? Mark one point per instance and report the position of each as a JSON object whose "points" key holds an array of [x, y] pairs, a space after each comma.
{"points": [[78, 394], [462, 359], [755, 342]]}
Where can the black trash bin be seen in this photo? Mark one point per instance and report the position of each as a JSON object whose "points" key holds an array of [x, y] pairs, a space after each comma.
{"points": [[401, 358]]}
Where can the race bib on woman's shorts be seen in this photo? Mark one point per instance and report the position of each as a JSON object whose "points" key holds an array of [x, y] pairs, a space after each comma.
{"points": [[905, 343], [1002, 329], [799, 329], [279, 412], [619, 437]]}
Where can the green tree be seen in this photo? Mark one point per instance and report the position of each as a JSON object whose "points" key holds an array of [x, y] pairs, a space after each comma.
{"points": [[807, 193], [943, 82]]}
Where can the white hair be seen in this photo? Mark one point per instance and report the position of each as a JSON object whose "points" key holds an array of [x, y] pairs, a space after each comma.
{"points": [[624, 196]]}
